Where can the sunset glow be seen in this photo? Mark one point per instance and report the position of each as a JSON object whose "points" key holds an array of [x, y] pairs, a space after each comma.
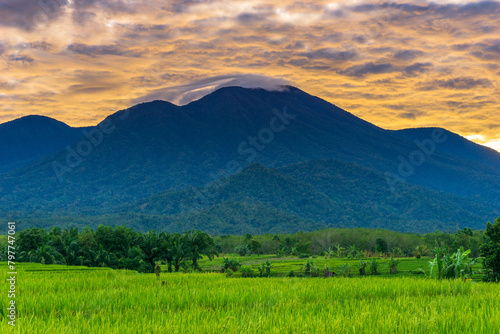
{"points": [[396, 65]]}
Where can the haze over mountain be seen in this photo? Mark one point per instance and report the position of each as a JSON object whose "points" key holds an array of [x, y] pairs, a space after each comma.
{"points": [[157, 146]]}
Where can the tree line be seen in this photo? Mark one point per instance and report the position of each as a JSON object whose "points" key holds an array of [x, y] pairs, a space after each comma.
{"points": [[123, 248], [118, 248]]}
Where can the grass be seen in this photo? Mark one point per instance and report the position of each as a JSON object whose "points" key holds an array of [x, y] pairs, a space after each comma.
{"points": [[59, 299], [282, 266]]}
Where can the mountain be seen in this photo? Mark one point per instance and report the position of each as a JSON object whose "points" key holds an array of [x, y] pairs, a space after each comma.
{"points": [[157, 146], [455, 145], [29, 138], [324, 193]]}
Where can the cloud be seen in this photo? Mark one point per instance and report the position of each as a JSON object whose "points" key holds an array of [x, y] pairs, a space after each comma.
{"points": [[487, 50], [100, 50], [417, 68], [368, 68], [332, 54], [461, 83], [184, 94], [30, 14], [408, 54]]}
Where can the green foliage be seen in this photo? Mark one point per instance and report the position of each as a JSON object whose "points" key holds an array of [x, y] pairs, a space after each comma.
{"points": [[246, 271], [309, 267], [232, 264], [374, 265], [420, 251], [254, 246], [362, 267], [490, 251], [242, 250], [456, 265], [352, 251], [393, 265], [265, 269], [119, 247], [344, 270], [381, 245]]}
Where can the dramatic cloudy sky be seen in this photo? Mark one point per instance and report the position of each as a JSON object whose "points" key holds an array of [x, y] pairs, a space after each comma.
{"points": [[397, 65]]}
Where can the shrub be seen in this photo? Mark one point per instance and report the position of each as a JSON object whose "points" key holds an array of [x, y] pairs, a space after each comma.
{"points": [[374, 266], [265, 269], [362, 267], [309, 265], [232, 264], [246, 271], [229, 273], [393, 265], [345, 270], [242, 250], [420, 251]]}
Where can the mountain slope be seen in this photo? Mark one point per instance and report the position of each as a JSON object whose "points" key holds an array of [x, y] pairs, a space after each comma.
{"points": [[326, 192], [454, 145], [26, 139], [156, 146]]}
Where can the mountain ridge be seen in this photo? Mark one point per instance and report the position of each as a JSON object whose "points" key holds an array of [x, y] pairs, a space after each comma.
{"points": [[157, 146]]}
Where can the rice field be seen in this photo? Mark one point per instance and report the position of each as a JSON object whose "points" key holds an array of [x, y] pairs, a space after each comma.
{"points": [[58, 299]]}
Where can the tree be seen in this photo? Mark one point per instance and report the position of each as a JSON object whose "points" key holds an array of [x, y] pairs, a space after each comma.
{"points": [[254, 245], [381, 245], [30, 239], [173, 250], [149, 243], [352, 251], [340, 250], [265, 269], [45, 254], [242, 250], [420, 251], [199, 243], [490, 251]]}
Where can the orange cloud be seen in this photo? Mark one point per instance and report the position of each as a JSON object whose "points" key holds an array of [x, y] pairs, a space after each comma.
{"points": [[397, 65]]}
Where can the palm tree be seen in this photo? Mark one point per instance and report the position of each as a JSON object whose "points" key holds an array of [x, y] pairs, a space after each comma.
{"points": [[199, 243], [352, 251], [420, 251], [150, 246], [330, 252], [45, 254], [340, 250]]}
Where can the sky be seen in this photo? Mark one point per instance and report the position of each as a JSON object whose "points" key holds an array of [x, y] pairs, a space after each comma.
{"points": [[395, 64]]}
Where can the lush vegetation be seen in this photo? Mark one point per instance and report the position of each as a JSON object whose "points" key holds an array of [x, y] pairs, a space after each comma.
{"points": [[123, 248], [490, 251], [118, 248], [61, 299]]}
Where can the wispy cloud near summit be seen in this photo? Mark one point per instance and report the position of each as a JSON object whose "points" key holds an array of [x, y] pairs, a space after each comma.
{"points": [[183, 94]]}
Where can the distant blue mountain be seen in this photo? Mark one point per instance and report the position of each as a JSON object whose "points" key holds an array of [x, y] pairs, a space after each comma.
{"points": [[26, 139]]}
